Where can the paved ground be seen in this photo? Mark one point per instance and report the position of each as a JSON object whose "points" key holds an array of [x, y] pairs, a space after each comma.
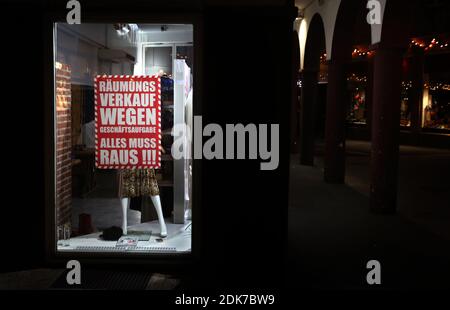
{"points": [[424, 182], [55, 279], [36, 279], [332, 235]]}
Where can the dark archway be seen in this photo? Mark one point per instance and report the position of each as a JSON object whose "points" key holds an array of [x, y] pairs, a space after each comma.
{"points": [[295, 105], [337, 94], [315, 45], [407, 48], [387, 77]]}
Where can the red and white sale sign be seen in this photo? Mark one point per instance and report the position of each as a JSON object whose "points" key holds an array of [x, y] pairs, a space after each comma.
{"points": [[127, 122]]}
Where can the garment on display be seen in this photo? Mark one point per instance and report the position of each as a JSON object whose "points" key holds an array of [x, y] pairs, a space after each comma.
{"points": [[115, 110], [139, 182]]}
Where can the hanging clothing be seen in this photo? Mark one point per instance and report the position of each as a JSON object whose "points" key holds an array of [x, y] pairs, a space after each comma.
{"points": [[137, 182]]}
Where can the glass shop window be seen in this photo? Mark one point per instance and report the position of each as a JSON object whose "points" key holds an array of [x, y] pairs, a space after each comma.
{"points": [[356, 110], [405, 104], [436, 105], [323, 69], [436, 91], [119, 91]]}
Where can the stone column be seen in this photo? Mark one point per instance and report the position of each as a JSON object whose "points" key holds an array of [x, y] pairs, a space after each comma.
{"points": [[335, 123], [385, 129], [417, 63], [308, 105], [295, 129], [369, 93]]}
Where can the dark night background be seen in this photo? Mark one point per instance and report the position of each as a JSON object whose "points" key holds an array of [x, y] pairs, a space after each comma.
{"points": [[245, 78], [244, 70]]}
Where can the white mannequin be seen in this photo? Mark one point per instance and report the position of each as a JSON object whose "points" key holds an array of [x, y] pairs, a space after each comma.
{"points": [[156, 202]]}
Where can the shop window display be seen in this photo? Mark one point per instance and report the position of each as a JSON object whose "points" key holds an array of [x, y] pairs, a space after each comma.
{"points": [[436, 106], [405, 105], [132, 209], [323, 69], [356, 112]]}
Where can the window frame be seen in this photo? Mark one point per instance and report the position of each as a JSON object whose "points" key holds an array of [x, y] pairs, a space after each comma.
{"points": [[52, 256]]}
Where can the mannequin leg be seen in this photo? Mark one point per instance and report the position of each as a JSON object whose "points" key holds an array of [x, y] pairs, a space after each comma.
{"points": [[157, 203], [125, 202]]}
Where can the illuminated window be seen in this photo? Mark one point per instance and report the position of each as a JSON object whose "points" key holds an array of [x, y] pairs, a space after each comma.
{"points": [[132, 209]]}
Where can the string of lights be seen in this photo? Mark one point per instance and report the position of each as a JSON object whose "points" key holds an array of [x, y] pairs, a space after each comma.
{"points": [[437, 86], [427, 45], [361, 53], [432, 44], [356, 78]]}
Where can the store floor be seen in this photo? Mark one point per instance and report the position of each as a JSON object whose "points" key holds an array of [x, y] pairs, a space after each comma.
{"points": [[332, 234], [105, 210], [178, 240], [102, 204]]}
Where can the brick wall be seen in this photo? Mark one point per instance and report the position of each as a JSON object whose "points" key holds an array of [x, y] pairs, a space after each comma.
{"points": [[63, 145]]}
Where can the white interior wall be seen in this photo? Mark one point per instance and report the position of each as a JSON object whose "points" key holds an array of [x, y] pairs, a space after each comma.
{"points": [[154, 37], [78, 46], [182, 36], [328, 11], [91, 37], [158, 58], [87, 31]]}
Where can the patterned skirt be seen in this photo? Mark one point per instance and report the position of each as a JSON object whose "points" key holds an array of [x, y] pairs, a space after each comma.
{"points": [[137, 182]]}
